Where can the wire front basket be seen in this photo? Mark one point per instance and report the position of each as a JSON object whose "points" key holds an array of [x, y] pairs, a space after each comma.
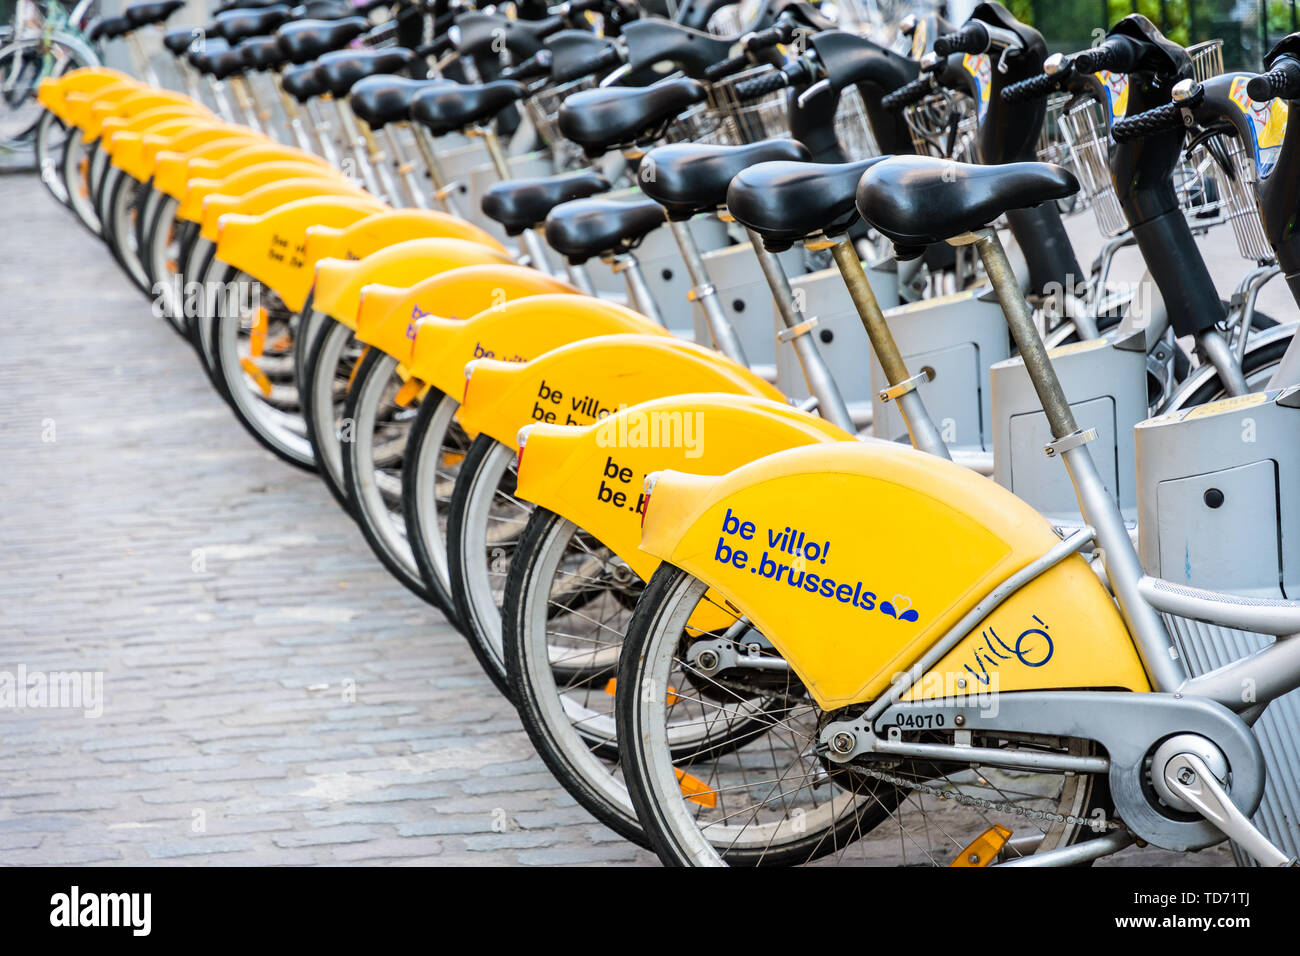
{"points": [[943, 124], [543, 109]]}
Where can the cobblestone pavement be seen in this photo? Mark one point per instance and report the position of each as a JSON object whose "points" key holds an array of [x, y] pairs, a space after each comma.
{"points": [[270, 694]]}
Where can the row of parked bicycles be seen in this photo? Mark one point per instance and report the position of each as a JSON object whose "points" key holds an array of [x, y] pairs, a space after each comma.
{"points": [[919, 543]]}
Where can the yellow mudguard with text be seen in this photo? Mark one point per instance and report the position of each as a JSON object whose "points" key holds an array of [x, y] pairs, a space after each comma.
{"points": [[392, 226], [584, 382], [269, 247], [266, 197], [593, 475], [337, 290], [53, 91], [514, 331], [394, 318], [853, 560]]}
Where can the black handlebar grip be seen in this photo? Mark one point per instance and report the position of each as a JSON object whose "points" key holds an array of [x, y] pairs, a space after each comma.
{"points": [[1034, 88], [1158, 120], [607, 60], [537, 65], [1103, 57], [752, 89], [972, 38], [1267, 85], [906, 95], [727, 67], [1282, 80], [764, 39]]}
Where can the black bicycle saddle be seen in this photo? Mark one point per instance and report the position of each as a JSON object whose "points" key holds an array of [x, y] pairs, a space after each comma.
{"points": [[304, 40], [341, 70], [599, 120], [784, 202], [380, 100], [586, 228], [451, 107], [146, 14], [235, 25], [520, 204], [687, 179], [918, 200]]}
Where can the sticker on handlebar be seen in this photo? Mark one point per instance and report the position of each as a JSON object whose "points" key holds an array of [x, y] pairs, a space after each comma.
{"points": [[980, 67], [919, 36], [1116, 86], [1267, 124]]}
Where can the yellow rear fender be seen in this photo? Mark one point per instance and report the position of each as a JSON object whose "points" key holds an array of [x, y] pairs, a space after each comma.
{"points": [[854, 559], [208, 198], [388, 228], [392, 226], [125, 146], [145, 120], [583, 382], [337, 291], [137, 101], [53, 91], [78, 106], [412, 320], [593, 475], [267, 197], [269, 247], [222, 172], [513, 331], [171, 167]]}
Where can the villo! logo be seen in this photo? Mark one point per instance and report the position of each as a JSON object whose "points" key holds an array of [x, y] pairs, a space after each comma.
{"points": [[74, 909]]}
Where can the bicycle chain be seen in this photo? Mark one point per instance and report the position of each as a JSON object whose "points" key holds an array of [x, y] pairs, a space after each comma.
{"points": [[981, 804]]}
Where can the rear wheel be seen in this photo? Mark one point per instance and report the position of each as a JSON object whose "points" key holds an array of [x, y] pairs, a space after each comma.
{"points": [[779, 800], [373, 454]]}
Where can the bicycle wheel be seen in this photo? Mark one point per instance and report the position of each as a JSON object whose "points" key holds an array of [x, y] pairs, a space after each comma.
{"points": [[123, 208], [1257, 365], [568, 602], [483, 528], [23, 65], [75, 171], [51, 134], [252, 352], [373, 453], [167, 243], [779, 800], [435, 449], [332, 357]]}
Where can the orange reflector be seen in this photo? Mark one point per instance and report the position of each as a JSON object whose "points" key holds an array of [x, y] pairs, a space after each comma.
{"points": [[257, 375], [696, 790], [257, 333], [452, 458], [360, 358], [408, 392], [611, 688], [984, 849], [282, 344]]}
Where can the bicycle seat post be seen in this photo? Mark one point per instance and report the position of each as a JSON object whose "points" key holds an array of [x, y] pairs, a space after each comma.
{"points": [[920, 426], [1070, 444]]}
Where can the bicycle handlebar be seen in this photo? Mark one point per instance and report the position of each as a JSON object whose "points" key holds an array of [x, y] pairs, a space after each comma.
{"points": [[1034, 88], [757, 86], [751, 43], [911, 93], [1118, 54], [1281, 81], [972, 38], [1158, 120]]}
